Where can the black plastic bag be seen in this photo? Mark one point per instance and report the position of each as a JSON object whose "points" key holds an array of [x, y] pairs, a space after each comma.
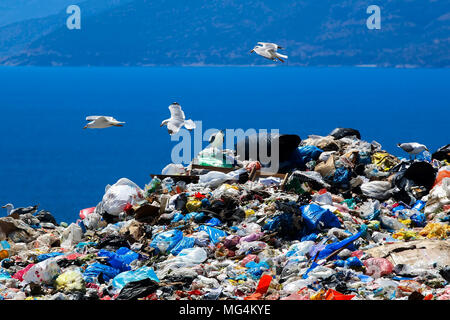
{"points": [[288, 143], [45, 216], [113, 242], [138, 289], [340, 133], [443, 153]]}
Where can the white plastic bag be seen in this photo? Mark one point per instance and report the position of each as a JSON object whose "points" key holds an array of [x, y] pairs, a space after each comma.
{"points": [[43, 272], [173, 169], [71, 236], [380, 190], [438, 197], [214, 178], [119, 195]]}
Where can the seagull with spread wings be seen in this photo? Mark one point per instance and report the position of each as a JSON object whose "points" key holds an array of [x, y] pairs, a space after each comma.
{"points": [[177, 120], [269, 50], [101, 122]]}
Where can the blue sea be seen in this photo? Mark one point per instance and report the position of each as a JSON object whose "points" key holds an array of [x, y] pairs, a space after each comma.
{"points": [[47, 158]]}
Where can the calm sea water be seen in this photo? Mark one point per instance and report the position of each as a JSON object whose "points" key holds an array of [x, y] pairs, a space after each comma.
{"points": [[47, 158]]}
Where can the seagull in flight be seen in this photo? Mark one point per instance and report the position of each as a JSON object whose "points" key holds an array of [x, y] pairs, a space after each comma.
{"points": [[413, 148], [269, 51], [177, 120], [101, 122]]}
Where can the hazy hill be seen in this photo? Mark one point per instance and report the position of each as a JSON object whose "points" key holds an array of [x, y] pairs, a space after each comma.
{"points": [[222, 32]]}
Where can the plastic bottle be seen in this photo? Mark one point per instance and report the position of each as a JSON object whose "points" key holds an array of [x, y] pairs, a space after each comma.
{"points": [[154, 185]]}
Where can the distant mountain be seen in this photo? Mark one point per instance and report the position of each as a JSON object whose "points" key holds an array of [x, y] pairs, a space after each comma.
{"points": [[218, 32], [12, 11]]}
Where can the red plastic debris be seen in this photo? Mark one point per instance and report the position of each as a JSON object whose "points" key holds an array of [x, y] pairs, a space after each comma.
{"points": [[85, 212], [128, 207], [262, 288], [199, 196], [335, 295]]}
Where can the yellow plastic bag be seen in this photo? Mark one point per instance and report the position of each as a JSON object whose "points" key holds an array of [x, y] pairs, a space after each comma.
{"points": [[193, 205], [248, 213], [435, 230], [384, 161], [404, 234], [70, 281]]}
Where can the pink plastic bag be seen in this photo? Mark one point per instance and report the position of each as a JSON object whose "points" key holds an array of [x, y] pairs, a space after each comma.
{"points": [[19, 274], [378, 267]]}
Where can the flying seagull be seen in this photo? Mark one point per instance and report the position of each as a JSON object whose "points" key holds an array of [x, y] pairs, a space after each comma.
{"points": [[177, 120], [269, 51], [101, 122], [10, 209], [413, 148], [216, 139]]}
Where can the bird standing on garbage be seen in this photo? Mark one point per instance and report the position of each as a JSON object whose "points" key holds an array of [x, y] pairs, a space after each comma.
{"points": [[216, 139], [101, 122], [269, 51], [412, 148], [10, 209], [177, 120]]}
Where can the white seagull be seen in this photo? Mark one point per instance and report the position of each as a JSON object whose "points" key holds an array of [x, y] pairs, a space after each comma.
{"points": [[413, 148], [177, 120], [269, 51], [101, 122], [216, 139]]}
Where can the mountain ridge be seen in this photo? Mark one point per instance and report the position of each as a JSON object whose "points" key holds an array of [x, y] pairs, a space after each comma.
{"points": [[167, 33]]}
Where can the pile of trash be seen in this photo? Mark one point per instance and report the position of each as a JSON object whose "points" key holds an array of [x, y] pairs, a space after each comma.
{"points": [[351, 222]]}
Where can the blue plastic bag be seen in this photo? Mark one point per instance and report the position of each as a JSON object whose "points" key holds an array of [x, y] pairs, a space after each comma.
{"points": [[317, 218], [214, 234], [341, 177], [46, 256], [419, 205], [255, 270], [186, 242], [4, 274], [178, 216], [165, 241], [123, 278], [213, 222], [300, 157], [120, 259], [93, 271], [350, 262], [310, 237], [419, 220], [308, 153]]}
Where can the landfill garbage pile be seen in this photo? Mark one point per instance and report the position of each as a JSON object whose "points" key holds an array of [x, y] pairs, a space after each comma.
{"points": [[351, 222]]}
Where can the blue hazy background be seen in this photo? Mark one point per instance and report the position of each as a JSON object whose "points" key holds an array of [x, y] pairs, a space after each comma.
{"points": [[47, 158]]}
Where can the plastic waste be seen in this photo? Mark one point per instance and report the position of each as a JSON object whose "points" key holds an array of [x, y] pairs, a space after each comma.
{"points": [[122, 279], [120, 194], [164, 242], [42, 272], [173, 169], [214, 234], [317, 218], [70, 281]]}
